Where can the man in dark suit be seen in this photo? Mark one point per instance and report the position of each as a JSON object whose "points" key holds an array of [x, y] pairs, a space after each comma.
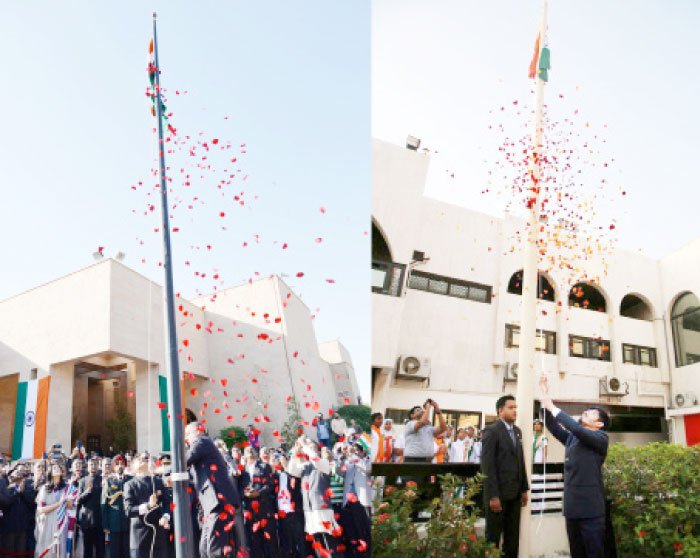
{"points": [[506, 486], [18, 514], [586, 446], [223, 532], [90, 512], [147, 512]]}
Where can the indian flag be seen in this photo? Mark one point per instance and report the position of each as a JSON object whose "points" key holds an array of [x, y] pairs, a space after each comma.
{"points": [[540, 63], [29, 440], [152, 91], [151, 61]]}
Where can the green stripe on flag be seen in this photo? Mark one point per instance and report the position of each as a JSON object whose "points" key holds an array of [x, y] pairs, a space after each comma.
{"points": [[165, 426], [19, 420]]}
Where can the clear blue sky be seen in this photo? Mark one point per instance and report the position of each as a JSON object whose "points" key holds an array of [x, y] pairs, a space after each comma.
{"points": [[293, 79], [438, 68]]}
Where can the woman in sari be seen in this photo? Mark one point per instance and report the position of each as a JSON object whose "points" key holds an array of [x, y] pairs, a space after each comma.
{"points": [[53, 503]]}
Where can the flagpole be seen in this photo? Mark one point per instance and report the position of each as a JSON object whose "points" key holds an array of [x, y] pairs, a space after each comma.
{"points": [[528, 317], [181, 512]]}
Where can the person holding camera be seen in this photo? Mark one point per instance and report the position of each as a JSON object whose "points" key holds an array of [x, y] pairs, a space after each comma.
{"points": [[419, 433]]}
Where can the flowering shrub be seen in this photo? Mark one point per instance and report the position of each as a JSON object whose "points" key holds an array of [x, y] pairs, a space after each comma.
{"points": [[655, 493], [450, 532]]}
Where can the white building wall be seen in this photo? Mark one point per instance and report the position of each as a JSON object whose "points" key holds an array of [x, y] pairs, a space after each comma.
{"points": [[465, 340], [342, 371], [55, 322]]}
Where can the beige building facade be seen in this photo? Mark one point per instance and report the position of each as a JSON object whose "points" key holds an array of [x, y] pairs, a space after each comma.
{"points": [[99, 334]]}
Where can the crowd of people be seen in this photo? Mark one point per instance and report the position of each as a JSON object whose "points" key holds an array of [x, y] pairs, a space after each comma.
{"points": [[420, 441], [312, 499], [462, 446]]}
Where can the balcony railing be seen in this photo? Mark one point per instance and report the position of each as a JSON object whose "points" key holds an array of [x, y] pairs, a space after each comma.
{"points": [[387, 277]]}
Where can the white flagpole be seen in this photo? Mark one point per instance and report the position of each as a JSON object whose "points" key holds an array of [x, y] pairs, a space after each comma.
{"points": [[526, 353]]}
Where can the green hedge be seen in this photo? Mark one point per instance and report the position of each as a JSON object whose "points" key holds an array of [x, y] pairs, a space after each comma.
{"points": [[655, 493]]}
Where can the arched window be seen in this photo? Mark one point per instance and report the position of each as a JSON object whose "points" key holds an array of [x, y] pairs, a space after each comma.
{"points": [[545, 291], [380, 247], [634, 307], [387, 275], [586, 296], [685, 322]]}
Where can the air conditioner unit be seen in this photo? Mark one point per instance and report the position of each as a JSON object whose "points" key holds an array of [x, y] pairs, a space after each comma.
{"points": [[413, 368], [511, 371], [688, 399], [613, 386]]}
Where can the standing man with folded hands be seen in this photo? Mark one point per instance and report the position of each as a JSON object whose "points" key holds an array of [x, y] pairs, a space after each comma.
{"points": [[506, 486], [586, 448]]}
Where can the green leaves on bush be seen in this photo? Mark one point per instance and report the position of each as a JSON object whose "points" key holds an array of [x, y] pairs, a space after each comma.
{"points": [[450, 532], [655, 493]]}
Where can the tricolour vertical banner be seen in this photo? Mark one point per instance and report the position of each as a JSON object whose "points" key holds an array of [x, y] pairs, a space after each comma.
{"points": [[29, 441]]}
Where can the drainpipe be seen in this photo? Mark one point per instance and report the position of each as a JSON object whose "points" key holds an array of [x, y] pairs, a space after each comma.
{"points": [[670, 378], [641, 393]]}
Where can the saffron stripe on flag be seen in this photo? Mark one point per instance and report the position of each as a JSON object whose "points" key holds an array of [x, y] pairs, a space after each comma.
{"points": [[42, 412], [19, 420]]}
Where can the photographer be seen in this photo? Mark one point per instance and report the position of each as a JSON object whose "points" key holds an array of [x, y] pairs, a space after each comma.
{"points": [[420, 433]]}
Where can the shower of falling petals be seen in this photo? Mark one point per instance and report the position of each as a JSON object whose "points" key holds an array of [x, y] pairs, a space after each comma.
{"points": [[208, 183], [577, 194]]}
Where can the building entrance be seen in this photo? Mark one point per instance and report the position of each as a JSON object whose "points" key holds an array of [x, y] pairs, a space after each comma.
{"points": [[104, 408]]}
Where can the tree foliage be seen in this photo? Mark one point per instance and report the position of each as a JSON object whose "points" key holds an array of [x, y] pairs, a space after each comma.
{"points": [[361, 414], [293, 426], [122, 428]]}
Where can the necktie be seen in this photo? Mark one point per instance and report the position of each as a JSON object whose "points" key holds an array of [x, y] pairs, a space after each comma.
{"points": [[511, 431]]}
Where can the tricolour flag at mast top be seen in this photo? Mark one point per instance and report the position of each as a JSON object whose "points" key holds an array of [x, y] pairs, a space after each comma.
{"points": [[29, 439], [540, 63], [152, 89]]}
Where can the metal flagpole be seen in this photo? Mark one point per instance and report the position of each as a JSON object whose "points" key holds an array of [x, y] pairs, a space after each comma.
{"points": [[526, 353], [179, 476]]}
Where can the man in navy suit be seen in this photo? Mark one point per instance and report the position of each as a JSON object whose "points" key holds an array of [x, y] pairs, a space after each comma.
{"points": [[506, 486], [222, 530], [586, 447]]}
